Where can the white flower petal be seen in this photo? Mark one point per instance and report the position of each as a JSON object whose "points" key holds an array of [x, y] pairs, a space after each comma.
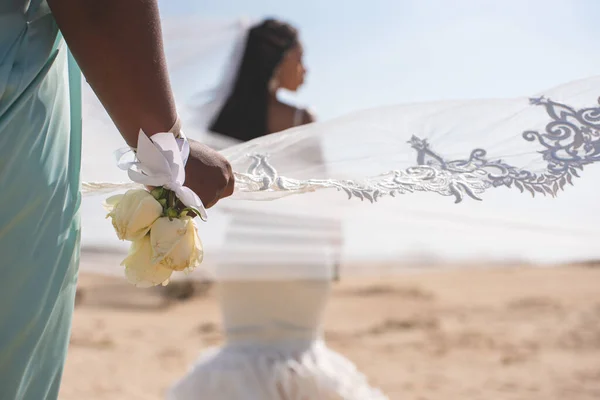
{"points": [[133, 213], [139, 268], [176, 244]]}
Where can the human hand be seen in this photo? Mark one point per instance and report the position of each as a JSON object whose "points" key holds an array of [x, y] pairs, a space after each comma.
{"points": [[208, 174]]}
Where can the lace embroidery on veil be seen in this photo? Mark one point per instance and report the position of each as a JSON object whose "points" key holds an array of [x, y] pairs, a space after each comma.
{"points": [[571, 140]]}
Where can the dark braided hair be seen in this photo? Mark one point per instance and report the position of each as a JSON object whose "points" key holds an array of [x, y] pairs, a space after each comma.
{"points": [[244, 115]]}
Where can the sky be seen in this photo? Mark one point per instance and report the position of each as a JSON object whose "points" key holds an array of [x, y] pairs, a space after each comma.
{"points": [[366, 54]]}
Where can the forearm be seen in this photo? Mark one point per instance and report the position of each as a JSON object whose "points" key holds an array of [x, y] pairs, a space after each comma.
{"points": [[118, 46]]}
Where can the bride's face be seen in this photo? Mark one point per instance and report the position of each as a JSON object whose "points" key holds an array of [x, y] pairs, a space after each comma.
{"points": [[291, 71]]}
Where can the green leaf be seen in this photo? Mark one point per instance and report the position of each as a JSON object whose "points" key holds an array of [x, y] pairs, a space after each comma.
{"points": [[158, 193], [186, 210]]}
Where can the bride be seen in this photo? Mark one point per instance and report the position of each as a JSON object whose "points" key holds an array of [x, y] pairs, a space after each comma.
{"points": [[272, 306], [272, 59], [430, 156]]}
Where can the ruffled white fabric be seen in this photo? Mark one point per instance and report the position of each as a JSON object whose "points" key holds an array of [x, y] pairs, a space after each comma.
{"points": [[288, 370], [274, 349]]}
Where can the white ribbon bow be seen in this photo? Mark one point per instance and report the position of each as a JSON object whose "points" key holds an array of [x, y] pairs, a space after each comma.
{"points": [[160, 161]]}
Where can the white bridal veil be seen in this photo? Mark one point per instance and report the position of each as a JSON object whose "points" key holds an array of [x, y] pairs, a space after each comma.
{"points": [[487, 179]]}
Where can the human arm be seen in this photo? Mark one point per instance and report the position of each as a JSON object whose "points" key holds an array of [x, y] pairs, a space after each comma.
{"points": [[118, 46]]}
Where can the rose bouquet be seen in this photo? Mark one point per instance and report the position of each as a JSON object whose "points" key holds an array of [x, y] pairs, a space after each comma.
{"points": [[158, 220]]}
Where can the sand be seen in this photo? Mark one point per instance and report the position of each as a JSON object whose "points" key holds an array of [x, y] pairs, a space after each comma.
{"points": [[470, 333]]}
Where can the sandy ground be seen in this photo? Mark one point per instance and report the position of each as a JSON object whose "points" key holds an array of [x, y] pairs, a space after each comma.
{"points": [[509, 333]]}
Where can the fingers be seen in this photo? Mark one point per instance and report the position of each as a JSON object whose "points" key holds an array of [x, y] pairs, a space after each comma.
{"points": [[225, 192], [211, 204], [229, 189], [210, 174], [230, 183]]}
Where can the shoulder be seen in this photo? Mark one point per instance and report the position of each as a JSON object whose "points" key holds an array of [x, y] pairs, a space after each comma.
{"points": [[300, 116], [308, 115], [284, 116]]}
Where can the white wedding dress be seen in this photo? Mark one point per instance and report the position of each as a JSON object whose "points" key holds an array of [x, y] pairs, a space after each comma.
{"points": [[274, 280], [274, 349]]}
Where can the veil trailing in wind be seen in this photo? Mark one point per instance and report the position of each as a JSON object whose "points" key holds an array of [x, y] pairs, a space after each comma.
{"points": [[483, 179], [536, 145]]}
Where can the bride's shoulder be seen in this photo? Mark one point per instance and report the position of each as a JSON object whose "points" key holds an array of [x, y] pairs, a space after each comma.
{"points": [[308, 115], [299, 115]]}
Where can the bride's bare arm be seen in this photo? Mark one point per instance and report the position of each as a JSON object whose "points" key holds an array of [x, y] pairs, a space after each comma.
{"points": [[118, 46]]}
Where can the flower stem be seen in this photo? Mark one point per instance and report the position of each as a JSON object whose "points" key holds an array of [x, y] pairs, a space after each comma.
{"points": [[171, 199]]}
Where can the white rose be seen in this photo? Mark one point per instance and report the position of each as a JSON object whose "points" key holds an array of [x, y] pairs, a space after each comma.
{"points": [[176, 244], [139, 268], [133, 213]]}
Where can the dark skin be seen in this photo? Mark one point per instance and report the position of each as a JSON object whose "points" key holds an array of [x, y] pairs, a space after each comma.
{"points": [[281, 116], [118, 46], [290, 76]]}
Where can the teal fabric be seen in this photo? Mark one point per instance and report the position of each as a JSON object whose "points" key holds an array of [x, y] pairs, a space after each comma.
{"points": [[40, 156]]}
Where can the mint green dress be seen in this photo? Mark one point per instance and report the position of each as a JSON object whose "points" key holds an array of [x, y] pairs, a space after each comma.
{"points": [[40, 154]]}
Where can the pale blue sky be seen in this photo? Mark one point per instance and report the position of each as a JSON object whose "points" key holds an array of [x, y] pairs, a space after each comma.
{"points": [[364, 54]]}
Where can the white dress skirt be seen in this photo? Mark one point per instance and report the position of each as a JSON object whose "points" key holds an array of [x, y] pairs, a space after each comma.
{"points": [[274, 282], [274, 349]]}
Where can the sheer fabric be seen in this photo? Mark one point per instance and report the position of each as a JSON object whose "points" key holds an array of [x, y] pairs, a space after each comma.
{"points": [[432, 180]]}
